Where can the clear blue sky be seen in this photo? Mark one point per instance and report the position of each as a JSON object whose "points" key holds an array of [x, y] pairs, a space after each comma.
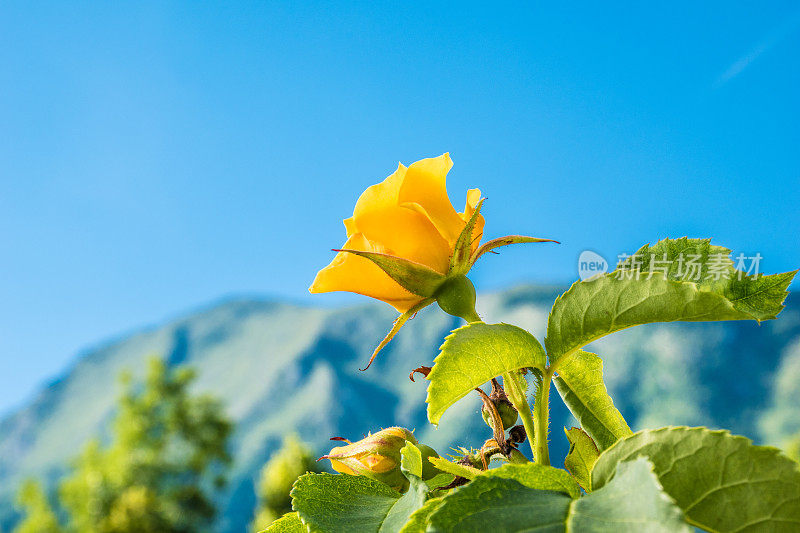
{"points": [[158, 156]]}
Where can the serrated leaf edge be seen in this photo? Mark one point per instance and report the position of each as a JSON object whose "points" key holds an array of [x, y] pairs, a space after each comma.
{"points": [[724, 432], [771, 449], [554, 364]]}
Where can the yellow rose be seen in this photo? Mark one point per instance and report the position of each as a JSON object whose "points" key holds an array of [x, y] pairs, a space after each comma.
{"points": [[409, 216], [407, 245]]}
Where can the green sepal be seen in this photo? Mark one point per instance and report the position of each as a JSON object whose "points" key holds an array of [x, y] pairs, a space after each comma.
{"points": [[414, 465], [414, 277], [429, 472], [460, 260], [505, 241], [465, 471], [399, 322], [411, 460]]}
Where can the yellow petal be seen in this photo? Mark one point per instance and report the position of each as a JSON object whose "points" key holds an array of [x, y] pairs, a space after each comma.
{"points": [[405, 233], [350, 226], [379, 196], [424, 184], [338, 465], [351, 273], [473, 197], [341, 467], [378, 464], [398, 230]]}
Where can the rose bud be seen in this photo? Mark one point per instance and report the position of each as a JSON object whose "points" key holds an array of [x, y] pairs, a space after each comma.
{"points": [[376, 456]]}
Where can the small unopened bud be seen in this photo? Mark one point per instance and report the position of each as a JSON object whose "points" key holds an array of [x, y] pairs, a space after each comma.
{"points": [[472, 458], [508, 415], [376, 456], [428, 470], [456, 297], [517, 434]]}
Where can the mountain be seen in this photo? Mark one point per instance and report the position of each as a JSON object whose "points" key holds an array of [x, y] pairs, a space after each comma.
{"points": [[281, 367]]}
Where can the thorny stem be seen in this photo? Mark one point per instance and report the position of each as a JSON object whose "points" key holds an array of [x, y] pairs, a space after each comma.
{"points": [[517, 397], [536, 430], [541, 407]]}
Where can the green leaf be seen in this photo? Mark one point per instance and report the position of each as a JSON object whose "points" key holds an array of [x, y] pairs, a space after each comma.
{"points": [[439, 480], [631, 504], [288, 523], [416, 278], [459, 261], [342, 503], [537, 476], [722, 482], [332, 503], [581, 457], [418, 522], [712, 270], [411, 460], [505, 241], [500, 504], [664, 290], [402, 510], [474, 354], [414, 498], [580, 384]]}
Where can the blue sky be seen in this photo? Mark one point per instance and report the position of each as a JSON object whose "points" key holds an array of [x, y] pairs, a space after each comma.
{"points": [[158, 156]]}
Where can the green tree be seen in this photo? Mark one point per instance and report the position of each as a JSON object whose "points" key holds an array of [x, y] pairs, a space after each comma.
{"points": [[39, 514], [291, 461], [167, 457]]}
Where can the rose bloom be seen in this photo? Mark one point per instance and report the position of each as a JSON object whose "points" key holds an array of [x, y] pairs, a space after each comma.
{"points": [[407, 215]]}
